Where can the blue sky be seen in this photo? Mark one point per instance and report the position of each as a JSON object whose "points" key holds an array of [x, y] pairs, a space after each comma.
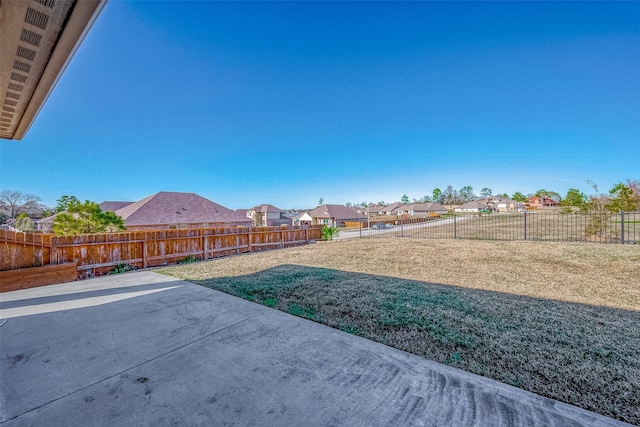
{"points": [[287, 102]]}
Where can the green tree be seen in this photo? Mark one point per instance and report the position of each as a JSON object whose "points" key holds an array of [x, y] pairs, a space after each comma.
{"points": [[405, 199], [623, 198], [486, 192], [47, 213], [23, 222], [64, 201], [547, 193], [436, 194], [86, 218], [574, 199], [466, 194], [15, 202], [519, 197], [320, 202]]}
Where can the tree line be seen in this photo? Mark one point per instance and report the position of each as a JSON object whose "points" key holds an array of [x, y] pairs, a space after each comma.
{"points": [[621, 197], [76, 217]]}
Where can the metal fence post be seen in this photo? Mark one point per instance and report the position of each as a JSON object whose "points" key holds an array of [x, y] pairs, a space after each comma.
{"points": [[455, 230], [622, 234], [525, 225]]}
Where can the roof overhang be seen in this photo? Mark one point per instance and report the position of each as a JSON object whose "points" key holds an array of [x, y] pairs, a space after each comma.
{"points": [[37, 40]]}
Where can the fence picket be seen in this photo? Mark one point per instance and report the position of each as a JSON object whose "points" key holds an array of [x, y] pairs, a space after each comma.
{"points": [[99, 253]]}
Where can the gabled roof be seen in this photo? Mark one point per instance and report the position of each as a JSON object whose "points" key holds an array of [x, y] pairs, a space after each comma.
{"points": [[417, 207], [265, 208], [113, 206], [474, 204], [437, 207], [177, 208], [425, 207], [300, 215], [336, 211], [392, 207], [374, 209], [50, 219]]}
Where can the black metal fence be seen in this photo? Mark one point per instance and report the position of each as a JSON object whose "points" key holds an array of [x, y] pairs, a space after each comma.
{"points": [[545, 225]]}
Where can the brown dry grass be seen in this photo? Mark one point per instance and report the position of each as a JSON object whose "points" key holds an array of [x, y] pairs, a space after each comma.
{"points": [[558, 319]]}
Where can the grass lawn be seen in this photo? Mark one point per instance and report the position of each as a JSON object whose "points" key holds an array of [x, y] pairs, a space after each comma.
{"points": [[558, 319]]}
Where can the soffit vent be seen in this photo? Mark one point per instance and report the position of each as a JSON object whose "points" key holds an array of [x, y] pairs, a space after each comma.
{"points": [[25, 53], [21, 66], [48, 3], [18, 77], [16, 87], [30, 37], [13, 95], [9, 109], [12, 103], [36, 18]]}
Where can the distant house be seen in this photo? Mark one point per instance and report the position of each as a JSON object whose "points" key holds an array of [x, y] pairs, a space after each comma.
{"points": [[167, 210], [302, 218], [541, 202], [421, 209], [178, 210], [391, 209], [473, 206], [502, 204], [267, 216], [335, 215], [373, 210], [46, 224]]}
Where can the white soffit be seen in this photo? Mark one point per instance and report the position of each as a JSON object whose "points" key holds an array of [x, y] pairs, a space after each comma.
{"points": [[37, 40]]}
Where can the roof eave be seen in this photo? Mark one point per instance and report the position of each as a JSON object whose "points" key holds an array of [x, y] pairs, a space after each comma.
{"points": [[82, 18]]}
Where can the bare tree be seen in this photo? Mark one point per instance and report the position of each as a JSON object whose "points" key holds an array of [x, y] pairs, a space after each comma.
{"points": [[15, 202], [450, 196]]}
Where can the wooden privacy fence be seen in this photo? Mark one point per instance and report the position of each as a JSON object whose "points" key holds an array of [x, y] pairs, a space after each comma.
{"points": [[96, 254]]}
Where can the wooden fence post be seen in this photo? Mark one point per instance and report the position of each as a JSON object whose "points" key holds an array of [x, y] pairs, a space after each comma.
{"points": [[52, 251], [204, 246], [145, 263], [249, 240]]}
